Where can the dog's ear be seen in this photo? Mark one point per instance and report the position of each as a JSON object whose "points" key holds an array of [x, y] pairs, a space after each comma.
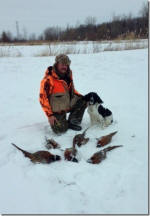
{"points": [[108, 112], [99, 100], [86, 97]]}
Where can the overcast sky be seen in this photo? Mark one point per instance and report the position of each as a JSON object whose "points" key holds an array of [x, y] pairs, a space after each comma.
{"points": [[36, 15]]}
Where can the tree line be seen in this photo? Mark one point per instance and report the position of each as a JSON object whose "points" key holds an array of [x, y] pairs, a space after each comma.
{"points": [[121, 27]]}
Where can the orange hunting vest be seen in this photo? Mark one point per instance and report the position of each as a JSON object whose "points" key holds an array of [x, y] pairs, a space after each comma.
{"points": [[61, 96]]}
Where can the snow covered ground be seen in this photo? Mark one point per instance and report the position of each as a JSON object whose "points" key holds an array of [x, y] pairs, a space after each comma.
{"points": [[82, 47], [118, 185]]}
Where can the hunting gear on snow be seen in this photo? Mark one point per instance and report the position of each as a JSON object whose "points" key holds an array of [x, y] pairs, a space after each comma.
{"points": [[58, 97]]}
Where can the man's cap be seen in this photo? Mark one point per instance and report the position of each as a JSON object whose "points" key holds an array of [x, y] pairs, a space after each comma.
{"points": [[62, 58]]}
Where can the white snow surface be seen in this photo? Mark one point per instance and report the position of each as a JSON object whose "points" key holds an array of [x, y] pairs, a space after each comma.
{"points": [[82, 47], [118, 185]]}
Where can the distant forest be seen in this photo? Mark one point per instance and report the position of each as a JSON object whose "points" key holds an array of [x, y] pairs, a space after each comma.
{"points": [[121, 27]]}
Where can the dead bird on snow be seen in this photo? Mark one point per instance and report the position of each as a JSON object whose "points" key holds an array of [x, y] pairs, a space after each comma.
{"points": [[104, 140], [80, 139], [99, 156], [39, 156], [70, 153], [50, 143]]}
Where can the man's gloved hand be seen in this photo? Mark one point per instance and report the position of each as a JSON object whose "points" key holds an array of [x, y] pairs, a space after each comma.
{"points": [[52, 120]]}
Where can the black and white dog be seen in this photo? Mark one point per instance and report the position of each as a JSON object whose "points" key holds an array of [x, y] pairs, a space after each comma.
{"points": [[98, 114]]}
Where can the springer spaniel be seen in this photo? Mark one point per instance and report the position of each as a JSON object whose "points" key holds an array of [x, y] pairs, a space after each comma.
{"points": [[98, 114]]}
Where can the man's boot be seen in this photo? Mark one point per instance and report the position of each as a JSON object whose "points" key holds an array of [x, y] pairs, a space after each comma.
{"points": [[74, 125]]}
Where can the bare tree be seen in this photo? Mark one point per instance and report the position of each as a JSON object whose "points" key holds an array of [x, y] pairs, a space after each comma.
{"points": [[17, 30], [24, 33], [115, 17], [6, 36], [32, 37], [90, 20], [52, 33], [144, 10]]}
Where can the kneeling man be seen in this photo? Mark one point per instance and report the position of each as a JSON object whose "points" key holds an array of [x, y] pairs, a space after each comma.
{"points": [[58, 96]]}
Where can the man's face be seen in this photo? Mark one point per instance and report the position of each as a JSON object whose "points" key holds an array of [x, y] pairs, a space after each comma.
{"points": [[62, 68]]}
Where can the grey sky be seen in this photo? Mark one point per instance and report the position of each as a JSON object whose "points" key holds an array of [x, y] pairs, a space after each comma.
{"points": [[36, 15]]}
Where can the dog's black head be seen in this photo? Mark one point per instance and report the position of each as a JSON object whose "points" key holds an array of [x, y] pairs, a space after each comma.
{"points": [[92, 98]]}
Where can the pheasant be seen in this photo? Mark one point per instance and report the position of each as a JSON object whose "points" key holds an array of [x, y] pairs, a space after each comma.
{"points": [[99, 156], [80, 139], [50, 143], [104, 140], [70, 153], [39, 156]]}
